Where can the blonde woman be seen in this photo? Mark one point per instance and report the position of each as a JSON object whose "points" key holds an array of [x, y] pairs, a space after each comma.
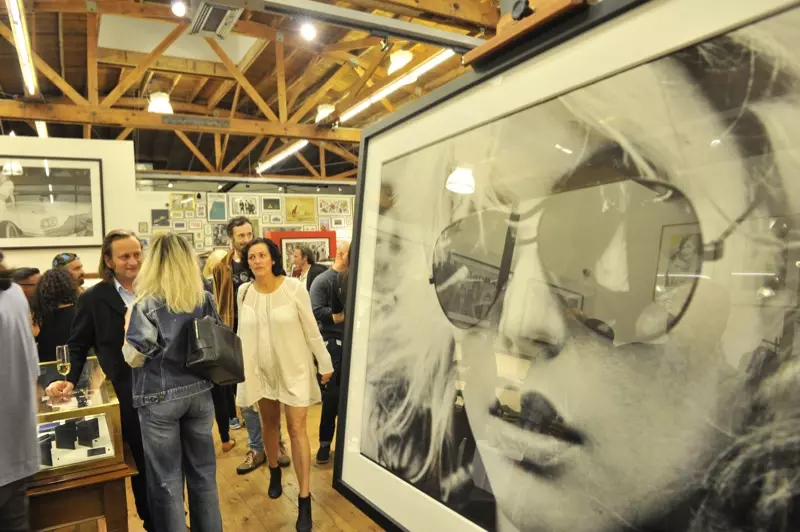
{"points": [[175, 406], [280, 341]]}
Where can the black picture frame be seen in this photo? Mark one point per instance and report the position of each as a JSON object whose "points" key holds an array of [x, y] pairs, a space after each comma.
{"points": [[102, 231], [539, 42]]}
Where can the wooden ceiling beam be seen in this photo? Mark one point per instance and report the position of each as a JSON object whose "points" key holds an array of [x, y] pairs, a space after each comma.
{"points": [[173, 65], [197, 153], [308, 166], [280, 69], [348, 173], [284, 179], [144, 65], [125, 133], [61, 45], [322, 166], [242, 154], [267, 148], [236, 95], [91, 58], [243, 81], [217, 152], [87, 131], [471, 12], [42, 66], [247, 61], [98, 115], [357, 44], [197, 88], [344, 154], [267, 80], [320, 93]]}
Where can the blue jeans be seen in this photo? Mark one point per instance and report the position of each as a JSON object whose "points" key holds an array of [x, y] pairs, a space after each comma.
{"points": [[178, 445], [252, 421]]}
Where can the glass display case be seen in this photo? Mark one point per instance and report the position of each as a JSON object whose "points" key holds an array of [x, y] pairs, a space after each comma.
{"points": [[79, 431]]}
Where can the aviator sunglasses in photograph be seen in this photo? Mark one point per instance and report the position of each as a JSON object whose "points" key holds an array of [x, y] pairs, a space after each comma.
{"points": [[597, 249]]}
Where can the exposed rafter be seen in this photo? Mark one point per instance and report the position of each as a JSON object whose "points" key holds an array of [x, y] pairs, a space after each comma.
{"points": [[76, 114], [244, 65], [197, 153], [143, 66], [242, 154], [174, 65]]}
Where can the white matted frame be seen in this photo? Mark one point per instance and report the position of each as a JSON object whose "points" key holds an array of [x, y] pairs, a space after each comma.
{"points": [[31, 212], [536, 73]]}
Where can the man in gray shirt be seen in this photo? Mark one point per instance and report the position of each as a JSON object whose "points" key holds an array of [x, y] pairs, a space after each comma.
{"points": [[19, 449], [330, 319]]}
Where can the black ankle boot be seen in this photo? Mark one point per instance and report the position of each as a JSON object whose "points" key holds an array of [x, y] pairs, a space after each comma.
{"points": [[304, 514], [275, 489]]}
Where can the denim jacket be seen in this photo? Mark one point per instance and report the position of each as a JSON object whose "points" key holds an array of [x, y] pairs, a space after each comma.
{"points": [[156, 346]]}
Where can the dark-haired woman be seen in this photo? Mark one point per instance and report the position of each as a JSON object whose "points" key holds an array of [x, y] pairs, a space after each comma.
{"points": [[53, 309], [280, 341]]}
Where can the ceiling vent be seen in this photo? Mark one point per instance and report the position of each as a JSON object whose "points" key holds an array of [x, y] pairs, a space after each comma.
{"points": [[215, 17]]}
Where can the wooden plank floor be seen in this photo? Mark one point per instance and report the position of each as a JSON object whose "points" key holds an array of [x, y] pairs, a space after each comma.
{"points": [[243, 498]]}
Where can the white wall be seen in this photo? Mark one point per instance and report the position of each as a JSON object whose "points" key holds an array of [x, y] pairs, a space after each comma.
{"points": [[119, 189]]}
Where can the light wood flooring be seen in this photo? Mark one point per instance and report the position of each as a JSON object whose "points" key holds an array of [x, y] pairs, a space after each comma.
{"points": [[243, 498]]}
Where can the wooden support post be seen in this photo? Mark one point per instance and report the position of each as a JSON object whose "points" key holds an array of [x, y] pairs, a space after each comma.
{"points": [[305, 163], [87, 131], [322, 167], [125, 133], [266, 149], [91, 58], [280, 68], [189, 144], [217, 151]]}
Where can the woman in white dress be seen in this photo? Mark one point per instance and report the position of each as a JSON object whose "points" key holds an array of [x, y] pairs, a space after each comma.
{"points": [[280, 340]]}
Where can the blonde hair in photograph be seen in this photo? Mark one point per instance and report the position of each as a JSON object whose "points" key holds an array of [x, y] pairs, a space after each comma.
{"points": [[171, 273]]}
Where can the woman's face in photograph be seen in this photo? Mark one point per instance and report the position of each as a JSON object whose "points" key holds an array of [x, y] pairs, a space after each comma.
{"points": [[599, 434]]}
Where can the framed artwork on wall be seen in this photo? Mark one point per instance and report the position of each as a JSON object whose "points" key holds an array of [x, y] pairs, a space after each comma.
{"points": [[176, 215], [270, 204], [189, 215], [320, 247], [337, 222], [188, 236], [219, 235], [201, 211], [52, 202], [334, 205], [143, 227], [182, 202], [178, 226], [499, 342], [298, 236], [217, 207], [196, 224], [159, 218], [280, 229], [324, 223], [244, 206], [207, 229], [300, 209]]}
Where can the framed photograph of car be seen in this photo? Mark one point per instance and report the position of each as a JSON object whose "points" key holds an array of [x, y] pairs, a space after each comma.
{"points": [[50, 202]]}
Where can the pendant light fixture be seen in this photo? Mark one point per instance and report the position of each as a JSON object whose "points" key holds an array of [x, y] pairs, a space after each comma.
{"points": [[159, 103]]}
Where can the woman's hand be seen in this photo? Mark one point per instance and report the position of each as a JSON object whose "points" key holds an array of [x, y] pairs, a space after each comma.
{"points": [[325, 377], [59, 389]]}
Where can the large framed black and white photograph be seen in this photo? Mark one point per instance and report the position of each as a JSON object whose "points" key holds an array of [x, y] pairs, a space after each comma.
{"points": [[50, 202], [565, 344]]}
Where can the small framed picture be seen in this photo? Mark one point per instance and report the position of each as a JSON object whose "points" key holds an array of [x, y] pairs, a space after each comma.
{"points": [[176, 215], [196, 224], [201, 211], [348, 221], [189, 214], [179, 226], [337, 222], [309, 228], [143, 227], [199, 245], [324, 223], [209, 241], [275, 218], [189, 237], [207, 229]]}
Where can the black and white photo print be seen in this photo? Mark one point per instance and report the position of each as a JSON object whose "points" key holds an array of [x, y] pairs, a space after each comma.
{"points": [[551, 341], [50, 202]]}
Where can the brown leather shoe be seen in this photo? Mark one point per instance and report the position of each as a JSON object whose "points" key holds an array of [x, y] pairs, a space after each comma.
{"points": [[228, 445], [252, 461]]}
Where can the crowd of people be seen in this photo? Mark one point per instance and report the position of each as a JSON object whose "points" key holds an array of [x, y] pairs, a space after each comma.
{"points": [[135, 321]]}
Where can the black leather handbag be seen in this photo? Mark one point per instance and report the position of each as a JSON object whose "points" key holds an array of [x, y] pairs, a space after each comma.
{"points": [[215, 352]]}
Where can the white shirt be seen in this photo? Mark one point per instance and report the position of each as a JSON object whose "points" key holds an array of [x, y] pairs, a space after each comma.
{"points": [[127, 297], [280, 340]]}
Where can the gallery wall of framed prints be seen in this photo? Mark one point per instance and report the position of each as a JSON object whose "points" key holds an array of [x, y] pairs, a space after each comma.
{"points": [[203, 216], [588, 336]]}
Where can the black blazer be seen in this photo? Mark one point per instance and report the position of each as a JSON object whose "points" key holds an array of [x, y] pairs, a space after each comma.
{"points": [[315, 270], [100, 324]]}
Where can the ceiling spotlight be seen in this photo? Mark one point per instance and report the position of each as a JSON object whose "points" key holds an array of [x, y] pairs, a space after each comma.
{"points": [[280, 189], [318, 189], [179, 8], [398, 60], [12, 134], [170, 185], [340, 189], [219, 187], [308, 31], [716, 142], [461, 181], [159, 103]]}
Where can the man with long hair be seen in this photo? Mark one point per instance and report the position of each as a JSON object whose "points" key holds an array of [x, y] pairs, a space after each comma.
{"points": [[228, 275], [19, 451], [71, 263], [100, 324]]}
